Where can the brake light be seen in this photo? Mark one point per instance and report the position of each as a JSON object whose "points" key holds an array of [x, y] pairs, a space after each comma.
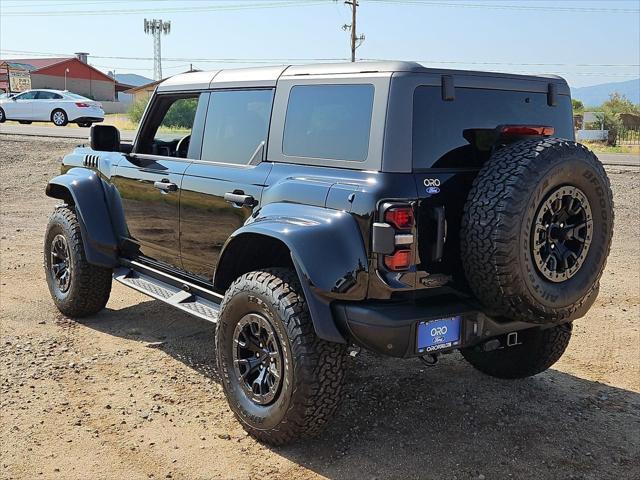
{"points": [[400, 217], [400, 260], [526, 130], [82, 105]]}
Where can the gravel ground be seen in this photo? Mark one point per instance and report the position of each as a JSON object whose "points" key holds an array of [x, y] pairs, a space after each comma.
{"points": [[133, 392]]}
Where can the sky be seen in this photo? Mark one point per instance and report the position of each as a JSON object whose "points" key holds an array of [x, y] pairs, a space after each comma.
{"points": [[586, 42]]}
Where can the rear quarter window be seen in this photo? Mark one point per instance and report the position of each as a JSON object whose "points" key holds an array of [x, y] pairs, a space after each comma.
{"points": [[438, 126], [328, 121]]}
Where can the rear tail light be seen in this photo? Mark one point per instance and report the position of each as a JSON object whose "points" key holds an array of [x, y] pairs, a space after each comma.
{"points": [[394, 237], [82, 105], [400, 217], [526, 130], [400, 260]]}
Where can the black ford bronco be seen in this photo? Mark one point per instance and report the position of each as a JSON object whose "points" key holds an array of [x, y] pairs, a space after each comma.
{"points": [[303, 209]]}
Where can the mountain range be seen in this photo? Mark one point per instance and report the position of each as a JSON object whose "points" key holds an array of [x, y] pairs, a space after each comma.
{"points": [[597, 94], [132, 79]]}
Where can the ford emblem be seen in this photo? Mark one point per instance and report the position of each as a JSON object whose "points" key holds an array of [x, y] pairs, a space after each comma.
{"points": [[433, 190]]}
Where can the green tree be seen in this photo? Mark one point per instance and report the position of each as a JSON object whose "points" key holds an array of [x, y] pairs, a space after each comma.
{"points": [[578, 106], [137, 109], [611, 110], [181, 114]]}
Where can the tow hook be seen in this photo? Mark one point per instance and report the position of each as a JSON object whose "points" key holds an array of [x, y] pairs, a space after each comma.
{"points": [[430, 359], [512, 339]]}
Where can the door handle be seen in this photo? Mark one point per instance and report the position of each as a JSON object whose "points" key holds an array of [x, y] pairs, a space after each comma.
{"points": [[166, 186], [240, 199]]}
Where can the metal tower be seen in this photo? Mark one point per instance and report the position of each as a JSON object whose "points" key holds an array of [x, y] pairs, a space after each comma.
{"points": [[157, 28]]}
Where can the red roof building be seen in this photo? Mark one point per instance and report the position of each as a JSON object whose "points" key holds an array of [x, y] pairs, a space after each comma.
{"points": [[73, 74]]}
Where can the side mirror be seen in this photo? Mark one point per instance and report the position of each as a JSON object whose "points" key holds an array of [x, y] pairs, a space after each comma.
{"points": [[105, 138]]}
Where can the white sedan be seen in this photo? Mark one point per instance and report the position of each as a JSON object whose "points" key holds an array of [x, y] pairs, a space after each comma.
{"points": [[50, 106]]}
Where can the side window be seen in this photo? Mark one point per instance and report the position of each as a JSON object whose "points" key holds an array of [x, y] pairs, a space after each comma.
{"points": [[167, 130], [329, 121], [47, 96], [27, 95], [237, 122]]}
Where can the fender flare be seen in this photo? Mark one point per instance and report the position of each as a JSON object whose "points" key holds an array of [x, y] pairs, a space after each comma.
{"points": [[84, 189], [327, 251]]}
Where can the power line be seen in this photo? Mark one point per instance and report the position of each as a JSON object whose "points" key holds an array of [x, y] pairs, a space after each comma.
{"points": [[501, 6], [325, 59], [210, 8]]}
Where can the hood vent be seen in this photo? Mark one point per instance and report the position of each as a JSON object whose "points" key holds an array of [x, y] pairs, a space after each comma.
{"points": [[91, 161]]}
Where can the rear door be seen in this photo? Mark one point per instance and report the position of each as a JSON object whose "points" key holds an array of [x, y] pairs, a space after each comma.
{"points": [[44, 104], [221, 190], [150, 179]]}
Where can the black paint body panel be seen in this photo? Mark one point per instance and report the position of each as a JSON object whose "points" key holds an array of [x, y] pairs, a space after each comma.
{"points": [[322, 214]]}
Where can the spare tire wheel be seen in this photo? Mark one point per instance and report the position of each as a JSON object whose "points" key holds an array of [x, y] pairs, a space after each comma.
{"points": [[536, 231]]}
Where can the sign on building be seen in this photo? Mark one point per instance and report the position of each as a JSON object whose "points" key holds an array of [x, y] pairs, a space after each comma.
{"points": [[19, 80]]}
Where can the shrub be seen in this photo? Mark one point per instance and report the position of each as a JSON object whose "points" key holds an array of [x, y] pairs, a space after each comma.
{"points": [[137, 109], [611, 110], [181, 113]]}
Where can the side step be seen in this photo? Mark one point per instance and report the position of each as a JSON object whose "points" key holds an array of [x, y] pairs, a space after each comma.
{"points": [[171, 290]]}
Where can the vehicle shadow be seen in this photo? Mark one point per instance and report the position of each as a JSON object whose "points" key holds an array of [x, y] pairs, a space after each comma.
{"points": [[402, 419]]}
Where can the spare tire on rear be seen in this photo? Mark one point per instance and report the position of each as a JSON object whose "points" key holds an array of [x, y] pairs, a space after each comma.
{"points": [[536, 231]]}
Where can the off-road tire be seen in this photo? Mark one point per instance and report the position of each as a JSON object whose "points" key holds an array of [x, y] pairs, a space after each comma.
{"points": [[539, 350], [313, 374], [64, 119], [498, 221], [3, 116], [90, 285]]}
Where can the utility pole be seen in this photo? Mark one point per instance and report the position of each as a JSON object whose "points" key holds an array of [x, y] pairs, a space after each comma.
{"points": [[356, 40], [157, 28]]}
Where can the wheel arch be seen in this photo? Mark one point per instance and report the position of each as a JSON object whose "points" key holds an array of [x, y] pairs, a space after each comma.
{"points": [[83, 189], [324, 247]]}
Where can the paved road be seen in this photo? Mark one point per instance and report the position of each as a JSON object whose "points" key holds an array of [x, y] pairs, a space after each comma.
{"points": [[612, 159], [622, 159], [36, 130]]}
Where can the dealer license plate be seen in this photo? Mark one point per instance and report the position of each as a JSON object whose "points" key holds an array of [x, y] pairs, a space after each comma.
{"points": [[439, 334]]}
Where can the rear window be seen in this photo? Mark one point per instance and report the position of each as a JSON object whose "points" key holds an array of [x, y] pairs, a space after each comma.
{"points": [[329, 121], [439, 126], [75, 96]]}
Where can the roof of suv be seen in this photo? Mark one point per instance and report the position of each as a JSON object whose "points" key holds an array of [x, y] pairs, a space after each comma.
{"points": [[268, 76]]}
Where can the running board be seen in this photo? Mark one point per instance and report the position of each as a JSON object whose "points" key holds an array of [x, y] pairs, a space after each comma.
{"points": [[185, 296]]}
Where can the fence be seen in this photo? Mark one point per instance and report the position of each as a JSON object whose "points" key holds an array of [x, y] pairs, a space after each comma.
{"points": [[628, 136]]}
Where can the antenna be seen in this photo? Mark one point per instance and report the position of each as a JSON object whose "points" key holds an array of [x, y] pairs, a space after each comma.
{"points": [[156, 28]]}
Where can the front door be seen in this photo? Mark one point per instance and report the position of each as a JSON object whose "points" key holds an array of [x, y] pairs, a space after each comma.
{"points": [[149, 180], [150, 193], [220, 191], [20, 107]]}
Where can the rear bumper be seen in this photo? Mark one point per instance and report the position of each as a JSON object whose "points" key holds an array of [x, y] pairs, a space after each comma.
{"points": [[87, 119], [391, 328]]}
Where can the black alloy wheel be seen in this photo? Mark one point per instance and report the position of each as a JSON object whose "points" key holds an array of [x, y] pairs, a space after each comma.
{"points": [[61, 263], [562, 233], [257, 358]]}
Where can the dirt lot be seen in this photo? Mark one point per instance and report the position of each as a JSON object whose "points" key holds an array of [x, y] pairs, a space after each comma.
{"points": [[133, 392]]}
